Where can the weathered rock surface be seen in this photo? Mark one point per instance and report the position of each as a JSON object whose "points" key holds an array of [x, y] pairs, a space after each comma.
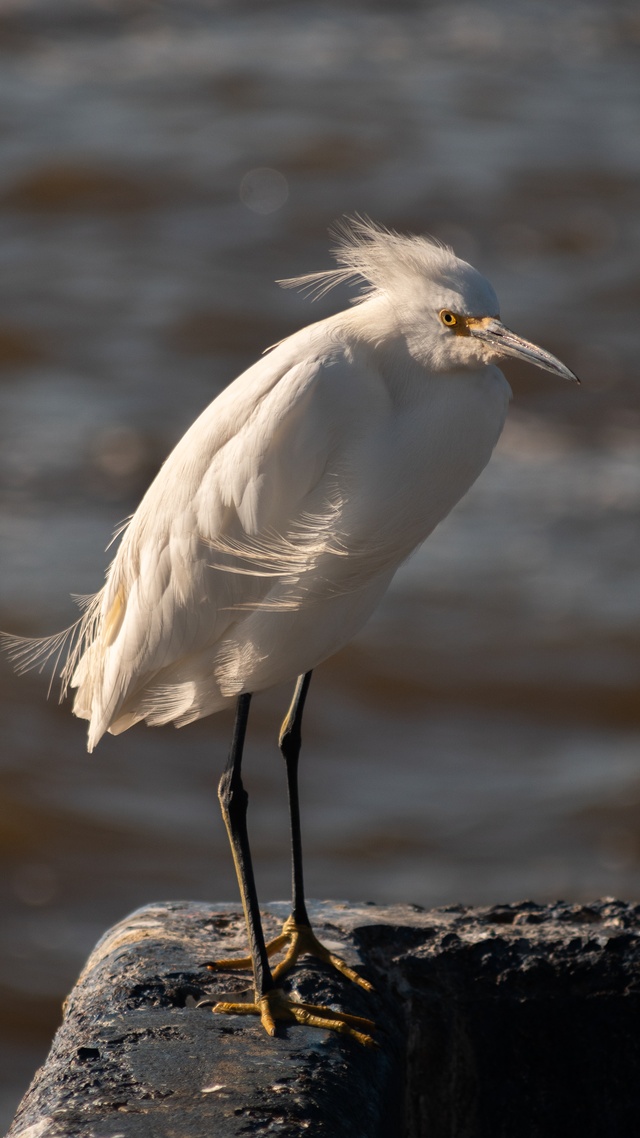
{"points": [[517, 1020]]}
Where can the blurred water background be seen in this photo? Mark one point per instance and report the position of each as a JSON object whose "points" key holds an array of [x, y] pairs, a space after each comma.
{"points": [[161, 164]]}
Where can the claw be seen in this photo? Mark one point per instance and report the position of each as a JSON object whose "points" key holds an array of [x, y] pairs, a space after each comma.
{"points": [[276, 1005], [302, 941]]}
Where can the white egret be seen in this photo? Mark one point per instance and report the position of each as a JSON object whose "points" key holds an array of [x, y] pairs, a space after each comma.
{"points": [[277, 523]]}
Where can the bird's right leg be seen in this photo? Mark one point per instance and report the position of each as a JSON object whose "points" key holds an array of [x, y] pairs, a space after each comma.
{"points": [[233, 803], [270, 1002]]}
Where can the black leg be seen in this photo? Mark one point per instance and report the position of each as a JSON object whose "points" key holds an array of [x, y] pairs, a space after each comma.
{"points": [[271, 1003], [290, 743], [233, 801]]}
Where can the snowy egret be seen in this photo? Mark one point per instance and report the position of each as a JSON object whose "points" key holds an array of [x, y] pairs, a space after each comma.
{"points": [[277, 523]]}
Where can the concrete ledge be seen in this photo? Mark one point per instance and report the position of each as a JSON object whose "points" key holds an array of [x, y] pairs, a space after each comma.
{"points": [[513, 1020]]}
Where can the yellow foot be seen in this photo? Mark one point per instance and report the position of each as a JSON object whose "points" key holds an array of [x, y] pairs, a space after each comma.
{"points": [[276, 1005], [302, 941]]}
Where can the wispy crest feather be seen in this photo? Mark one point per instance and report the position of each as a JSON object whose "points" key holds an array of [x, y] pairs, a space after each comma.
{"points": [[375, 257]]}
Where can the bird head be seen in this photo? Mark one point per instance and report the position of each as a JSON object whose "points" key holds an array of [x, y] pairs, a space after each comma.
{"points": [[464, 325], [444, 309]]}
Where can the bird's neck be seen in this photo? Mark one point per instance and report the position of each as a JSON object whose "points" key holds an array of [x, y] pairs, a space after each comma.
{"points": [[378, 326]]}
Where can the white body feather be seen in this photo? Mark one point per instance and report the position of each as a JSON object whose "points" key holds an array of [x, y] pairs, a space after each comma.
{"points": [[276, 524]]}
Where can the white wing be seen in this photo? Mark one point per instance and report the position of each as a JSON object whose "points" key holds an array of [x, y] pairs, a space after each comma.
{"points": [[247, 502]]}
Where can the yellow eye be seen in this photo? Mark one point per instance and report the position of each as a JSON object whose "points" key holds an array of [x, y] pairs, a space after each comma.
{"points": [[448, 318]]}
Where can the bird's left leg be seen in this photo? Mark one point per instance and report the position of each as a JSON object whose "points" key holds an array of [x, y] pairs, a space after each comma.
{"points": [[297, 935], [270, 1002], [297, 928]]}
